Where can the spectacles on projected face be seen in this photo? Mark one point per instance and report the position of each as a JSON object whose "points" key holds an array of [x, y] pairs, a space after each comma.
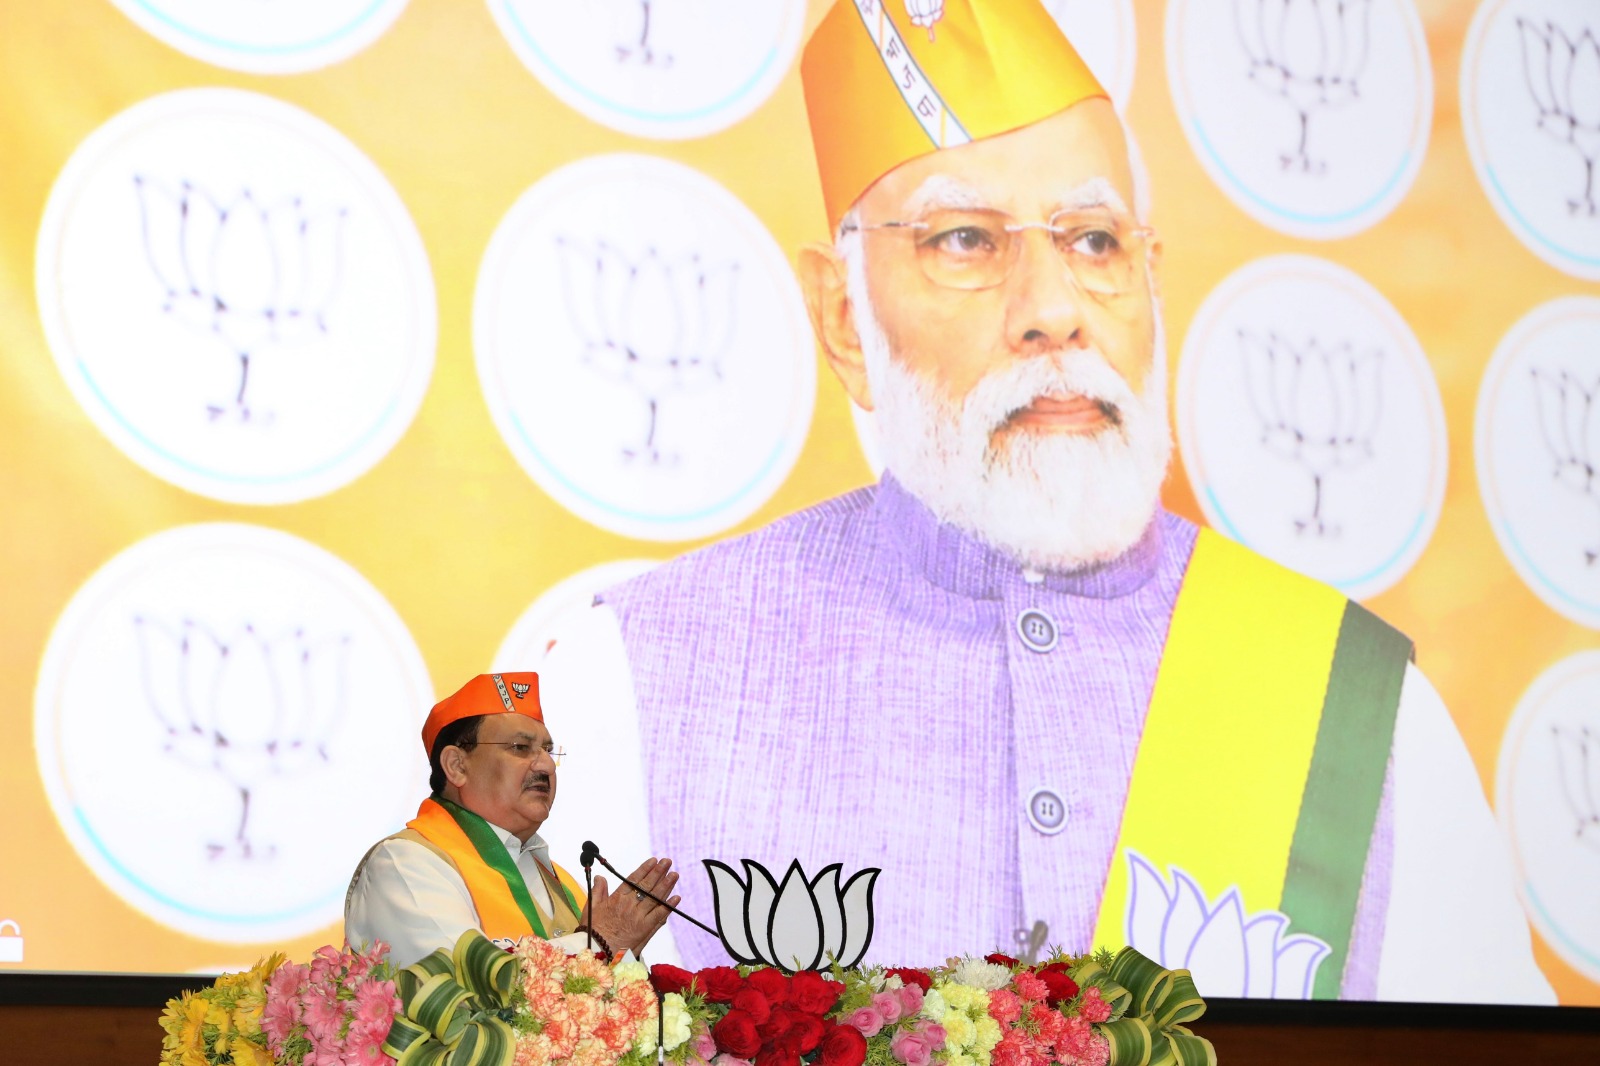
{"points": [[978, 248], [527, 749]]}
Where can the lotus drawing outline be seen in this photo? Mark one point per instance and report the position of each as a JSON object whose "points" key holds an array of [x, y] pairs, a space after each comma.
{"points": [[254, 272], [1229, 950], [795, 924], [659, 324], [1318, 405], [243, 704], [1310, 53], [1568, 413], [1578, 770], [1562, 73]]}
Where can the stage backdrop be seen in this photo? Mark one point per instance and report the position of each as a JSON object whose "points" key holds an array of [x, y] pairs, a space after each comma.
{"points": [[312, 322]]}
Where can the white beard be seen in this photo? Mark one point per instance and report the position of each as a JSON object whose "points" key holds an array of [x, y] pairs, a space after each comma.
{"points": [[1052, 502]]}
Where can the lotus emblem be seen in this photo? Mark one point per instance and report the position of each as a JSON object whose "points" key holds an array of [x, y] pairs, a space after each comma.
{"points": [[795, 925]]}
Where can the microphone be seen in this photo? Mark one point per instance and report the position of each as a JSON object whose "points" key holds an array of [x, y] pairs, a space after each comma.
{"points": [[588, 854], [648, 894]]}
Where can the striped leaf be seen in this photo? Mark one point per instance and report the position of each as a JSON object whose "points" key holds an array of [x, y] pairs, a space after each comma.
{"points": [[1182, 1002], [1130, 1041], [489, 972], [435, 1007], [402, 1034], [1191, 1050], [486, 1042]]}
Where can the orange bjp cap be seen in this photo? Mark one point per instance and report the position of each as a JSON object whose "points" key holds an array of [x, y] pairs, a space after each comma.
{"points": [[485, 694], [881, 91]]}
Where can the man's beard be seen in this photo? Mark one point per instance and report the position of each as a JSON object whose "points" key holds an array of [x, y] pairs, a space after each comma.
{"points": [[1052, 502]]}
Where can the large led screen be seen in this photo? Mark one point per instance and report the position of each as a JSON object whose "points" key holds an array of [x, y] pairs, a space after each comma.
{"points": [[1163, 512]]}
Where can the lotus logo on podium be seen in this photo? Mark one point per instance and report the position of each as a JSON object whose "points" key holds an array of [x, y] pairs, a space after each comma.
{"points": [[795, 925]]}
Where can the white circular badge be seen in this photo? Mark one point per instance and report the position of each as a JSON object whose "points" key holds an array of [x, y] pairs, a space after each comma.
{"points": [[236, 296], [1530, 75], [652, 69], [1104, 34], [1310, 423], [225, 720], [1547, 794], [1537, 444], [280, 37], [1313, 118], [643, 347]]}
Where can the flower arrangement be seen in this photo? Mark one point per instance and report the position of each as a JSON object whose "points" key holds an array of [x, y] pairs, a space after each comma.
{"points": [[220, 1025], [538, 1006]]}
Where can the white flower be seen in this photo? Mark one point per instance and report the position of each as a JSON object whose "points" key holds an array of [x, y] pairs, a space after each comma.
{"points": [[626, 973], [1229, 952], [980, 974], [934, 1008], [798, 925]]}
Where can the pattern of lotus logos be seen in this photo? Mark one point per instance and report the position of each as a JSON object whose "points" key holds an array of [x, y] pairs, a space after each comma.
{"points": [[248, 678], [1537, 444], [236, 296], [1104, 33], [283, 37], [668, 69], [1231, 951], [643, 347], [1312, 116], [1310, 423], [1530, 106], [1547, 795]]}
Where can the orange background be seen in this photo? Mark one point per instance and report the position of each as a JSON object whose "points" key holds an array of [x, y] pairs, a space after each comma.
{"points": [[461, 129]]}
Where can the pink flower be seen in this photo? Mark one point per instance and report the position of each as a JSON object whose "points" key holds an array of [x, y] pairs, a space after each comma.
{"points": [[1094, 1008], [908, 1047], [1029, 987], [1004, 1006], [910, 999], [376, 1003], [866, 1021], [729, 1060], [701, 1045], [888, 1005]]}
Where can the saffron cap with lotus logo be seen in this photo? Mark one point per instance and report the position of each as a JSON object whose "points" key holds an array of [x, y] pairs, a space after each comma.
{"points": [[887, 81], [485, 694]]}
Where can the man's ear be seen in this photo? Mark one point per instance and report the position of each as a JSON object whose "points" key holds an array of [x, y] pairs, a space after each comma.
{"points": [[453, 761], [823, 281]]}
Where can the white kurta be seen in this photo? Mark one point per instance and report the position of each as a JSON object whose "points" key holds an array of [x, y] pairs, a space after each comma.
{"points": [[411, 899]]}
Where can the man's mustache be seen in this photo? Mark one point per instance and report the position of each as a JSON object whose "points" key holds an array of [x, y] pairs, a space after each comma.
{"points": [[539, 779], [1109, 408]]}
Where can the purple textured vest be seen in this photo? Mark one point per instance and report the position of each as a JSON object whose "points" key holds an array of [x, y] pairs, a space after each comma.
{"points": [[859, 683]]}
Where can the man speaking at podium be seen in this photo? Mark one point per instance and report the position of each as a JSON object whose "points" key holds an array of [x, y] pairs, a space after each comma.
{"points": [[1005, 674], [473, 857]]}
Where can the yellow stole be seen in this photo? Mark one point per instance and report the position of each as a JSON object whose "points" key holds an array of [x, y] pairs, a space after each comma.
{"points": [[1264, 749]]}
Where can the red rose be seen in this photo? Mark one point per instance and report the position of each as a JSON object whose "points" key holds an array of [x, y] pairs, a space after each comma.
{"points": [[843, 1046], [911, 977], [1058, 986], [813, 993], [795, 1029], [718, 984], [752, 1003], [666, 978], [1001, 960], [735, 1033], [772, 984], [777, 1055]]}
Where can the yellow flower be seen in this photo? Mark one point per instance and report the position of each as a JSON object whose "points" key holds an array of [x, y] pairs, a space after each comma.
{"points": [[934, 1007], [988, 1035], [248, 1054], [626, 973], [959, 1032], [958, 1058], [964, 997]]}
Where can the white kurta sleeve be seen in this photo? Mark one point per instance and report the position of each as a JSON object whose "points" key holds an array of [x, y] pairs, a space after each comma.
{"points": [[1455, 931], [586, 690], [409, 898]]}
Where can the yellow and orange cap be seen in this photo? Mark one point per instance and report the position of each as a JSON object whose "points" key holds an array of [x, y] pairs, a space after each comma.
{"points": [[880, 90]]}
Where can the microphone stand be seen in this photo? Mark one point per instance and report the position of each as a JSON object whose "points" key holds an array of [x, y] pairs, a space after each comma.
{"points": [[588, 900]]}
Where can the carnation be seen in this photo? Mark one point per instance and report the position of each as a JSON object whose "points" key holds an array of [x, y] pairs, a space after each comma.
{"points": [[979, 974]]}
